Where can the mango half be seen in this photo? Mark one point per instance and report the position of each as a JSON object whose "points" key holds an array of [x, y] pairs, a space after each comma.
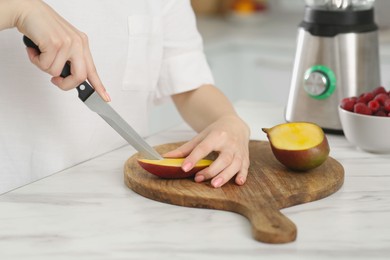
{"points": [[300, 146], [171, 168]]}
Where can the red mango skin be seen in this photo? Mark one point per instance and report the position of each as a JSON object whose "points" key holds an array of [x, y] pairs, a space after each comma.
{"points": [[170, 172], [303, 160]]}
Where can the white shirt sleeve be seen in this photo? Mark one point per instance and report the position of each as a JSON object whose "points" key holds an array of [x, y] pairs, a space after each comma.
{"points": [[184, 66]]}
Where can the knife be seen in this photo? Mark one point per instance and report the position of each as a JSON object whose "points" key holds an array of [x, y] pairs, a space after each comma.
{"points": [[92, 99]]}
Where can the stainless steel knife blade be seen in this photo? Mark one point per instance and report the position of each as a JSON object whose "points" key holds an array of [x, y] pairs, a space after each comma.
{"points": [[90, 98], [98, 105]]}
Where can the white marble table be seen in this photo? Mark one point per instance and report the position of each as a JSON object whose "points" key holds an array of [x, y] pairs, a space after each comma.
{"points": [[87, 212]]}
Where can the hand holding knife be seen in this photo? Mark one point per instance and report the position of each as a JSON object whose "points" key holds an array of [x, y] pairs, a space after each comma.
{"points": [[90, 98]]}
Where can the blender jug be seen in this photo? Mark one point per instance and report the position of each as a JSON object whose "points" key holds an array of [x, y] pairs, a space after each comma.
{"points": [[337, 56]]}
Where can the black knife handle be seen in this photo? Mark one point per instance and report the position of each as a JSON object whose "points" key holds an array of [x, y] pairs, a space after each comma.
{"points": [[84, 89]]}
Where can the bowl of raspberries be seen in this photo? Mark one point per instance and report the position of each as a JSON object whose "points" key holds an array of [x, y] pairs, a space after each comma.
{"points": [[365, 120]]}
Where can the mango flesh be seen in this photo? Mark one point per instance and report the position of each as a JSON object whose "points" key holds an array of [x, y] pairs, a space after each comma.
{"points": [[170, 168], [300, 146]]}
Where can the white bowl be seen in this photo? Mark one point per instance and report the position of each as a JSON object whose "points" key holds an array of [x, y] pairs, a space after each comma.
{"points": [[369, 133]]}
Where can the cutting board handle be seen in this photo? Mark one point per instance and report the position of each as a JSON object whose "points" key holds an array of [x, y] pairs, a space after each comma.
{"points": [[269, 225]]}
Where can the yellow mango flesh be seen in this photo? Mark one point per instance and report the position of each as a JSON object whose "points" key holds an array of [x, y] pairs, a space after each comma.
{"points": [[175, 162], [296, 136]]}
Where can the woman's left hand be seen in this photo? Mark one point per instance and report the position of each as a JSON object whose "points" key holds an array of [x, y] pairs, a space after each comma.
{"points": [[229, 136]]}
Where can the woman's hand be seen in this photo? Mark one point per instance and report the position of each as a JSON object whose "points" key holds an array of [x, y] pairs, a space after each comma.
{"points": [[229, 136], [58, 41]]}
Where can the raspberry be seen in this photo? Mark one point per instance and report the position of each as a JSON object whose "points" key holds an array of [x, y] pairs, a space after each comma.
{"points": [[386, 105], [362, 108], [348, 103], [374, 105], [378, 90], [380, 113], [366, 97], [361, 99], [381, 98]]}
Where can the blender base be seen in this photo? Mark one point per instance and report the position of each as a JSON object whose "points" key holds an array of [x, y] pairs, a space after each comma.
{"points": [[333, 131]]}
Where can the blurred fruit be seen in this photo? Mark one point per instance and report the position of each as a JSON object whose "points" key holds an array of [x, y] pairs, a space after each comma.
{"points": [[362, 108], [374, 106], [378, 90], [380, 113], [386, 105], [366, 97], [381, 98], [348, 103]]}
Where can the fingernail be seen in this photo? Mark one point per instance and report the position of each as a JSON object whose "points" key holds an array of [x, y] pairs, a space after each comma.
{"points": [[240, 181], [187, 167], [217, 182], [108, 98], [199, 178]]}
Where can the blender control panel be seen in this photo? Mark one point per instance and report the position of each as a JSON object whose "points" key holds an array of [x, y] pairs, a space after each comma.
{"points": [[319, 82]]}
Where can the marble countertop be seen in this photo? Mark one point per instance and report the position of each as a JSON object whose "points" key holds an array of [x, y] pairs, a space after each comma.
{"points": [[87, 212]]}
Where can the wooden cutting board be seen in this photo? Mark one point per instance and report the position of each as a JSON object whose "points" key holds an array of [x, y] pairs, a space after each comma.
{"points": [[269, 188]]}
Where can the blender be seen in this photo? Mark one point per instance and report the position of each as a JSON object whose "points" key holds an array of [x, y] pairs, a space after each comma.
{"points": [[337, 56]]}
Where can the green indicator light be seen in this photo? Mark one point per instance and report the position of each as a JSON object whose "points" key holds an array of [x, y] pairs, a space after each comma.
{"points": [[319, 82]]}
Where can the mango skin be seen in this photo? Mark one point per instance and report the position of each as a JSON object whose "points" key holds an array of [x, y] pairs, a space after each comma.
{"points": [[303, 160], [173, 171]]}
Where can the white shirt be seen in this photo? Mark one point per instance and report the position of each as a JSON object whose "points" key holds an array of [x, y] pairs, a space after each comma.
{"points": [[144, 52]]}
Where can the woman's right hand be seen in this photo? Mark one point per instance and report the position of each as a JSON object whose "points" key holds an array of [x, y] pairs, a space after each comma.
{"points": [[58, 41]]}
